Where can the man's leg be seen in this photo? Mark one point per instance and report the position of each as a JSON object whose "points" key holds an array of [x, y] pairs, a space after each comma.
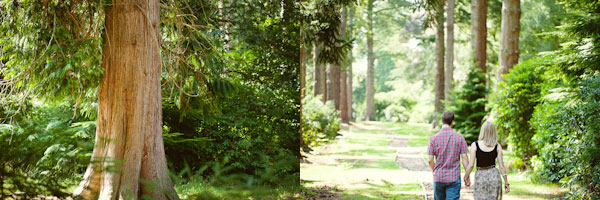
{"points": [[453, 190], [439, 191]]}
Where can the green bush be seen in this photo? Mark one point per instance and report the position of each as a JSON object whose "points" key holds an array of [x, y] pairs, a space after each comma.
{"points": [[567, 125], [42, 149], [320, 122], [469, 105], [254, 133], [515, 101]]}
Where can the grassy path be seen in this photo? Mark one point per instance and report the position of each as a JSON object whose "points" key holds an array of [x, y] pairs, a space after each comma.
{"points": [[375, 160]]}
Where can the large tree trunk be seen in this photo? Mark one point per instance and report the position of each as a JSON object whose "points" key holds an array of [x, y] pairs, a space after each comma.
{"points": [[343, 87], [479, 31], [128, 160], [370, 87], [439, 58], [350, 60], [333, 84], [509, 39], [320, 76], [449, 78]]}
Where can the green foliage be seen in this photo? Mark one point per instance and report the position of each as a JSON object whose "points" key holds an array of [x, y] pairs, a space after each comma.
{"points": [[515, 101], [320, 122], [43, 149], [469, 105], [251, 135], [566, 125]]}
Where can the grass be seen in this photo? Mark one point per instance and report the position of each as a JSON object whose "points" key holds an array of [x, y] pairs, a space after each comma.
{"points": [[198, 189], [361, 165]]}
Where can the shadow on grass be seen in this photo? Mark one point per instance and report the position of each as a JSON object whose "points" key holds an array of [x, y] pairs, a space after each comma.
{"points": [[201, 190]]}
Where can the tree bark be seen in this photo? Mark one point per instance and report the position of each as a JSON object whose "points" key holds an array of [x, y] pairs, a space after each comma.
{"points": [[370, 87], [439, 55], [479, 31], [333, 84], [449, 78], [343, 87], [509, 39], [302, 87], [128, 159], [350, 60], [320, 76], [343, 98]]}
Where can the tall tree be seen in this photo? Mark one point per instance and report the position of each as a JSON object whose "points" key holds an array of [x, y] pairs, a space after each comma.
{"points": [[333, 84], [439, 57], [479, 33], [350, 60], [509, 39], [129, 147], [370, 85], [343, 75], [320, 76], [449, 77], [302, 84]]}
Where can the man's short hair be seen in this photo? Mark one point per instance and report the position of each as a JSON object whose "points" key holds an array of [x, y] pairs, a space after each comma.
{"points": [[447, 117]]}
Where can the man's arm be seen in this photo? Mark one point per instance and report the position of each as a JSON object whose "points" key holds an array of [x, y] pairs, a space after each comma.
{"points": [[431, 162]]}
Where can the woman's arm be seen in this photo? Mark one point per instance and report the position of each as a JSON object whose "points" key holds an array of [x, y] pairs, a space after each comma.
{"points": [[471, 164], [502, 169]]}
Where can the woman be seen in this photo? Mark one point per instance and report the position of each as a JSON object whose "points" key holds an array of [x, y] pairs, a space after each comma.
{"points": [[486, 151]]}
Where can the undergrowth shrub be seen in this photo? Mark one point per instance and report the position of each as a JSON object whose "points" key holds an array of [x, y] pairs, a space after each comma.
{"points": [[514, 104], [252, 133], [43, 150], [320, 121]]}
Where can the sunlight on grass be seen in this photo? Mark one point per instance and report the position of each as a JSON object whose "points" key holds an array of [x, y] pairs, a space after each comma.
{"points": [[201, 190]]}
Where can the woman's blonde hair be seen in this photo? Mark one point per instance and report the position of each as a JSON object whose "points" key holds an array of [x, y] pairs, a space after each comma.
{"points": [[488, 134]]}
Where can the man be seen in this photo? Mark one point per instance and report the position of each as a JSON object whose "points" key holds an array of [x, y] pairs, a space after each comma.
{"points": [[448, 147]]}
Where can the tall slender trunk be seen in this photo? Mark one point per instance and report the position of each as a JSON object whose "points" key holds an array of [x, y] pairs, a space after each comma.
{"points": [[350, 60], [479, 31], [509, 39], [449, 78], [370, 87], [439, 57], [128, 160], [302, 86], [320, 76], [343, 87], [333, 84]]}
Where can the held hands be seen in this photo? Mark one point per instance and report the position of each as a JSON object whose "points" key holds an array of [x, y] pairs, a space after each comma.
{"points": [[507, 188], [467, 180]]}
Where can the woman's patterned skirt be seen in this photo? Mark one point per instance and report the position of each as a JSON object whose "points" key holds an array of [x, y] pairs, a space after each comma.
{"points": [[488, 185]]}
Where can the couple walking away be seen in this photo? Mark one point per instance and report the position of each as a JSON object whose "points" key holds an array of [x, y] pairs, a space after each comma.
{"points": [[449, 147]]}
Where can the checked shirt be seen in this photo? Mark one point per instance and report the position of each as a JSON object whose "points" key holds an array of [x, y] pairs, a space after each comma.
{"points": [[446, 146]]}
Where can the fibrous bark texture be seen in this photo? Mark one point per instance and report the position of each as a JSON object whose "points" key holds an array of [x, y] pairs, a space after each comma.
{"points": [[509, 39], [320, 76], [449, 77], [370, 87], [479, 31], [343, 87], [439, 58], [128, 159]]}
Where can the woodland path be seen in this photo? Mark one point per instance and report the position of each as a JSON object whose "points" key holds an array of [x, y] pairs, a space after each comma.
{"points": [[375, 160]]}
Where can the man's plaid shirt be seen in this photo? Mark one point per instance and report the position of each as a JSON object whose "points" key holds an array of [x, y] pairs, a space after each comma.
{"points": [[446, 146]]}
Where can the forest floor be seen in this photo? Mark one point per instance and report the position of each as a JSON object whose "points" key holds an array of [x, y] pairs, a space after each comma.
{"points": [[376, 160]]}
